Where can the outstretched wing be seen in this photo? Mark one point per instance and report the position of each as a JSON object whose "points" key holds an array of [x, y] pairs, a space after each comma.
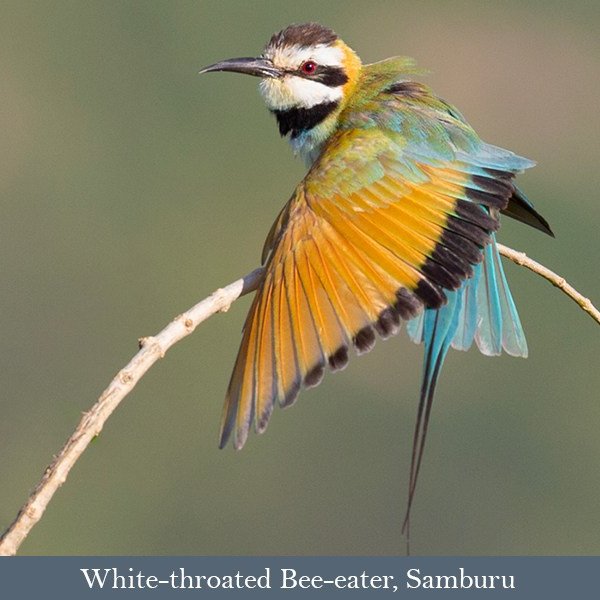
{"points": [[377, 230]]}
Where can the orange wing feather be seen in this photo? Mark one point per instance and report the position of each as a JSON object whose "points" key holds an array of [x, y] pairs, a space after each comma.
{"points": [[357, 247]]}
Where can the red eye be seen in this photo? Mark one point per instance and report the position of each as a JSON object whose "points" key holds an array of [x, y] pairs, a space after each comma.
{"points": [[309, 67]]}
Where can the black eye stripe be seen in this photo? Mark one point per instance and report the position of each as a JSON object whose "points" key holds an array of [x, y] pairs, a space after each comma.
{"points": [[332, 76], [325, 74]]}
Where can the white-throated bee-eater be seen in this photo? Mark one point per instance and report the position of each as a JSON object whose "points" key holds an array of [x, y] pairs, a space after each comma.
{"points": [[395, 220]]}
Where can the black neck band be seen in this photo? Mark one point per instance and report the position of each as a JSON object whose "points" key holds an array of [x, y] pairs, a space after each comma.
{"points": [[298, 120]]}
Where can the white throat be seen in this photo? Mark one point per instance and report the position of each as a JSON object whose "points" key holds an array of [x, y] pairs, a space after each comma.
{"points": [[293, 91]]}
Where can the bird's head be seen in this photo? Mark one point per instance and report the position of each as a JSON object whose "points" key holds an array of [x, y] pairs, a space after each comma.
{"points": [[307, 73]]}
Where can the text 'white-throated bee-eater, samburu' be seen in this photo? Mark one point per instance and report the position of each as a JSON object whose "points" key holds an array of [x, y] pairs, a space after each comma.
{"points": [[395, 220]]}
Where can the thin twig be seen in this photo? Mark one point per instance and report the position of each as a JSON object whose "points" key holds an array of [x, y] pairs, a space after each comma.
{"points": [[522, 259], [153, 348]]}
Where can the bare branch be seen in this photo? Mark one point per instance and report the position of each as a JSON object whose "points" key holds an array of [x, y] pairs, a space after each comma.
{"points": [[151, 349], [155, 347], [522, 259]]}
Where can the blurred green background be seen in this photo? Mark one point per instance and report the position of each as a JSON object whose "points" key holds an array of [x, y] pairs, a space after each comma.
{"points": [[131, 188]]}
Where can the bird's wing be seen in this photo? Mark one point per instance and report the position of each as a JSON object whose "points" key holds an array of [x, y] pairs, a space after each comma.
{"points": [[373, 233]]}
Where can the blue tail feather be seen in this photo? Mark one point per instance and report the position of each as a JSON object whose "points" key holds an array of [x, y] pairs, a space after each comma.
{"points": [[481, 310], [513, 336], [438, 330], [468, 314], [489, 336], [487, 312]]}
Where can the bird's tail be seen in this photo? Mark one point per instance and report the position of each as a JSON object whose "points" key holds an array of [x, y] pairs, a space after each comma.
{"points": [[482, 310]]}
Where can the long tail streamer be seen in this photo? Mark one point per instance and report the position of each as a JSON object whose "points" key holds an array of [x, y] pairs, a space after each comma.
{"points": [[482, 310]]}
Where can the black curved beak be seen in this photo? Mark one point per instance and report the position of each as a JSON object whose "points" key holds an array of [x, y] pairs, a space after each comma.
{"points": [[259, 67]]}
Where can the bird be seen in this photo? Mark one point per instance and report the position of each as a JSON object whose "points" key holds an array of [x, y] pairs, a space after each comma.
{"points": [[395, 221]]}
